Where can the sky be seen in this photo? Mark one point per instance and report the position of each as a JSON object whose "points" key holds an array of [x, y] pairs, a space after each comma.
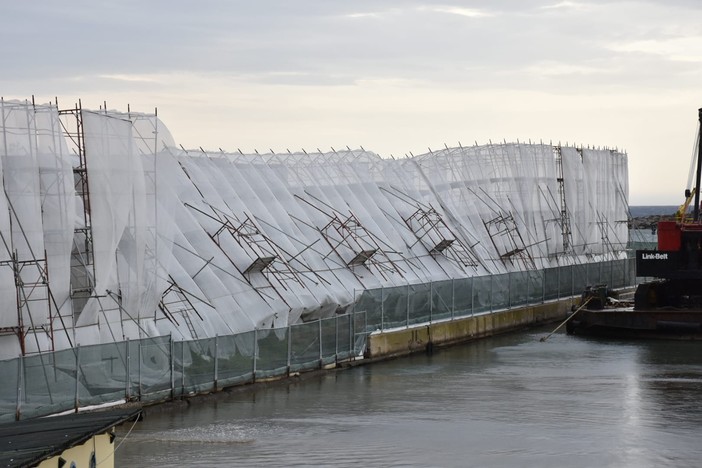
{"points": [[393, 77]]}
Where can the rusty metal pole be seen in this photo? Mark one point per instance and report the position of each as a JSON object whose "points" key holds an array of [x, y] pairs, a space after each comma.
{"points": [[127, 369], [77, 397], [20, 387], [696, 212]]}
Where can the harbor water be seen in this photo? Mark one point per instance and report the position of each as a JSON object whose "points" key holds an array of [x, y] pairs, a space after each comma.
{"points": [[504, 401]]}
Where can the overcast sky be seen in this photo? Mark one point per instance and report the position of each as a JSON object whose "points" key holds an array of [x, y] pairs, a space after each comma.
{"points": [[392, 76]]}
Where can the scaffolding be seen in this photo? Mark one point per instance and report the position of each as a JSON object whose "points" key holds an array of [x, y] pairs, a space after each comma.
{"points": [[237, 231], [177, 301], [36, 307], [353, 243], [432, 231], [604, 228], [566, 232], [511, 247], [32, 284], [268, 256], [268, 260], [82, 255], [438, 238]]}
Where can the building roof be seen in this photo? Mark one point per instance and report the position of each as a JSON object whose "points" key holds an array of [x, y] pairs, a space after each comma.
{"points": [[28, 442]]}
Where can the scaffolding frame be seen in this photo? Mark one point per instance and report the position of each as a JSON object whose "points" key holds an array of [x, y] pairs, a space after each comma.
{"points": [[82, 255], [270, 260], [268, 256], [566, 232], [432, 231], [181, 304], [505, 227], [428, 225], [28, 287], [31, 274], [347, 231]]}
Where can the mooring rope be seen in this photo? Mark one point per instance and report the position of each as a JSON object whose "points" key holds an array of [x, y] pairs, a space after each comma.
{"points": [[544, 338], [136, 420]]}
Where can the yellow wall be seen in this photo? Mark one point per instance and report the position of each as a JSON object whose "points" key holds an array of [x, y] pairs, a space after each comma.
{"points": [[399, 342], [80, 454]]}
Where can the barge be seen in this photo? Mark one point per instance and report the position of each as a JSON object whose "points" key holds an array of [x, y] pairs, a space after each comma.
{"points": [[669, 306]]}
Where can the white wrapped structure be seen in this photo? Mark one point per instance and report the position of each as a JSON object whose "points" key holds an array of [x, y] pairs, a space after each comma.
{"points": [[111, 232]]}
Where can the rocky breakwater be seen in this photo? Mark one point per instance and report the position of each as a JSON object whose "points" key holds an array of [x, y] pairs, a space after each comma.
{"points": [[649, 222]]}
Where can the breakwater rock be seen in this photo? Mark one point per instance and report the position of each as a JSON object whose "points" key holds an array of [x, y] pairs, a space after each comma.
{"points": [[649, 222]]}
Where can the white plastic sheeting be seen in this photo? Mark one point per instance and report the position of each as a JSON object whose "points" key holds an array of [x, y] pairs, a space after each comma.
{"points": [[36, 227], [198, 244]]}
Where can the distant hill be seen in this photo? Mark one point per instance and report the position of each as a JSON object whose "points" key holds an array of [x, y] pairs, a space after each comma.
{"points": [[652, 210]]}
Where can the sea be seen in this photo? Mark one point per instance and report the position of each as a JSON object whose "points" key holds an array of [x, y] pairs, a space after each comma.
{"points": [[505, 401], [638, 211]]}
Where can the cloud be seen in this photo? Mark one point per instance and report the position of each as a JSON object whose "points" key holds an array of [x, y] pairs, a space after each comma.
{"points": [[460, 11], [130, 78], [373, 70], [681, 49], [556, 69], [363, 15], [567, 5]]}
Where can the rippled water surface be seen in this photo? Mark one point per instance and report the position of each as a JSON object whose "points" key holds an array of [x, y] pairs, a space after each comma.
{"points": [[505, 401]]}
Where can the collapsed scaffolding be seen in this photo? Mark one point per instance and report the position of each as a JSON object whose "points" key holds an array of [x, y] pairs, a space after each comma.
{"points": [[33, 161], [428, 224], [110, 231]]}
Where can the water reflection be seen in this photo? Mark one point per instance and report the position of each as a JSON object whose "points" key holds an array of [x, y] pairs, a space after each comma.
{"points": [[505, 401]]}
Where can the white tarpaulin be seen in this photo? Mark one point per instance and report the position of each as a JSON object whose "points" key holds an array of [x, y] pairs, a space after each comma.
{"points": [[196, 244]]}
